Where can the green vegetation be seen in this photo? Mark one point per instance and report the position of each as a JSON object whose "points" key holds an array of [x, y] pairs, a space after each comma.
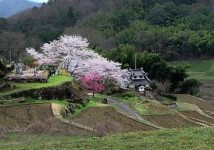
{"points": [[186, 139], [25, 101], [52, 81], [33, 101], [175, 28], [94, 101], [145, 106], [90, 104], [201, 70]]}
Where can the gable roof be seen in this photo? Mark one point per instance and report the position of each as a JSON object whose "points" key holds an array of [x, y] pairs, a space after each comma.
{"points": [[137, 72]]}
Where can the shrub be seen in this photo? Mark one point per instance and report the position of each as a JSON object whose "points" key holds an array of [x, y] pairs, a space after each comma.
{"points": [[64, 72], [163, 87], [3, 67], [1, 74], [190, 86], [111, 86], [153, 85], [129, 94], [169, 96], [29, 61]]}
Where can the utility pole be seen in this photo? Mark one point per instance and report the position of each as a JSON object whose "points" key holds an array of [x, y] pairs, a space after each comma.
{"points": [[10, 55], [135, 60]]}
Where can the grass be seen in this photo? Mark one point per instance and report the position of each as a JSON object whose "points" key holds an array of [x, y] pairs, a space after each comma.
{"points": [[201, 70], [93, 102], [52, 81], [177, 139], [146, 106], [32, 101]]}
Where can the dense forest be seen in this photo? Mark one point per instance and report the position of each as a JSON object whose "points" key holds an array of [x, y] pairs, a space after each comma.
{"points": [[176, 29]]}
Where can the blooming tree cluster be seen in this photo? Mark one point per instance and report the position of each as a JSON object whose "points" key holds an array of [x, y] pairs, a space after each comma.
{"points": [[73, 54], [93, 82]]}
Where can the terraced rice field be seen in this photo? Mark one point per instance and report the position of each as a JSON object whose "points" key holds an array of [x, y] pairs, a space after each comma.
{"points": [[202, 104], [19, 117], [53, 126], [198, 116], [170, 121], [36, 118], [107, 120]]}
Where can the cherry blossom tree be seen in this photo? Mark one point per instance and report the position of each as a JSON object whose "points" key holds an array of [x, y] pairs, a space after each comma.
{"points": [[92, 81], [73, 54]]}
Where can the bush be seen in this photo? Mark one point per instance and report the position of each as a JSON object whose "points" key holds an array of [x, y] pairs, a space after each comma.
{"points": [[111, 86], [3, 67], [64, 72], [153, 85], [29, 61], [129, 94], [1, 74], [190, 86], [163, 87], [169, 96]]}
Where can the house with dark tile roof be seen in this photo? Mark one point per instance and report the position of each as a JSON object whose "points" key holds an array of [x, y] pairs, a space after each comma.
{"points": [[139, 78]]}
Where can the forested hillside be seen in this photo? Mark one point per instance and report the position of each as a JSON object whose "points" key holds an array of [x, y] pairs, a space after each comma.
{"points": [[177, 29], [11, 7]]}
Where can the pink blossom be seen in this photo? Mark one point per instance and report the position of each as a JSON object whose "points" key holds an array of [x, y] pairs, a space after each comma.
{"points": [[92, 81], [73, 54]]}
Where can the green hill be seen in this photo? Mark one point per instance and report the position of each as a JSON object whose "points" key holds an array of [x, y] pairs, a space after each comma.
{"points": [[177, 29], [11, 7]]}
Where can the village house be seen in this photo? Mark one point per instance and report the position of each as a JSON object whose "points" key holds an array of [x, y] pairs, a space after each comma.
{"points": [[139, 79]]}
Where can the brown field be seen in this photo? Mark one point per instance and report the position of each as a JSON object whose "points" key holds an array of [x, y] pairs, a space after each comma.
{"points": [[37, 118], [196, 115], [53, 126], [170, 121], [19, 117], [105, 120], [207, 89], [202, 104]]}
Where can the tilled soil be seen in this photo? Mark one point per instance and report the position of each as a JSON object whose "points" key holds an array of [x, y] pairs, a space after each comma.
{"points": [[169, 121], [198, 116], [36, 118], [202, 104], [19, 117], [105, 120]]}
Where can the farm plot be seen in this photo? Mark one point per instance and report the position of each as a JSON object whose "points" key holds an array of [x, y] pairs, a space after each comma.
{"points": [[170, 121], [37, 118], [202, 104], [198, 116], [19, 117], [53, 126], [105, 120]]}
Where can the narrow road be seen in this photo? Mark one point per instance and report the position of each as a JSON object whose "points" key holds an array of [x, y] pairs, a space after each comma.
{"points": [[124, 109]]}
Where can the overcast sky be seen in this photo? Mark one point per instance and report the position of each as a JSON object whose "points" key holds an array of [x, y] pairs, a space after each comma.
{"points": [[39, 0]]}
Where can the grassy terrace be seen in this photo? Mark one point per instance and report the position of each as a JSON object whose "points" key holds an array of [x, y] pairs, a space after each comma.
{"points": [[176, 139], [201, 70], [52, 81], [144, 105]]}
